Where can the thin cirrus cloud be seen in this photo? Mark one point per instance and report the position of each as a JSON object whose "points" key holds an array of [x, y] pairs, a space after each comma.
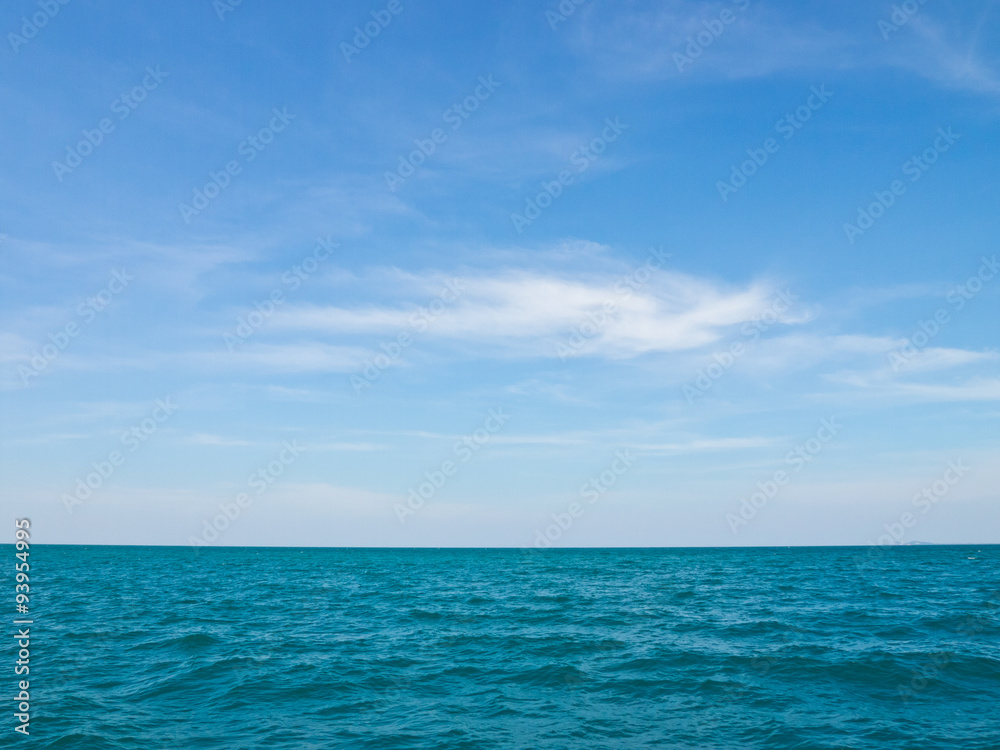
{"points": [[881, 388], [527, 313], [642, 43], [866, 362], [293, 357]]}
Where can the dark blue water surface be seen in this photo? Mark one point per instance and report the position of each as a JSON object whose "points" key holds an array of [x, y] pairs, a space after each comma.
{"points": [[154, 647]]}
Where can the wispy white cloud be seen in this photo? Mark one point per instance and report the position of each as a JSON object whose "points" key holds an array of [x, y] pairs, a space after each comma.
{"points": [[49, 438], [699, 445], [879, 386], [527, 313], [640, 42], [979, 389], [949, 55], [306, 357], [348, 447], [940, 358], [202, 438]]}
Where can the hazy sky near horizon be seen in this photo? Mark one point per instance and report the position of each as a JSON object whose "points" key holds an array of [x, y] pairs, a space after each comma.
{"points": [[453, 274]]}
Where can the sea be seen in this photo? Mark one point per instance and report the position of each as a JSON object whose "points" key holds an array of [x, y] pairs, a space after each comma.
{"points": [[811, 648]]}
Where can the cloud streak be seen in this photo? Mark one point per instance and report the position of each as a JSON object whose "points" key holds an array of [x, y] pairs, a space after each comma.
{"points": [[523, 313]]}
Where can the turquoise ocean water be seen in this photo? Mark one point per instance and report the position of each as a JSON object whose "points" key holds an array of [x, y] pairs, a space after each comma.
{"points": [[154, 647]]}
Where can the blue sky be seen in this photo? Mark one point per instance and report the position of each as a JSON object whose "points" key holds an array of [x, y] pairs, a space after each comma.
{"points": [[263, 273]]}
